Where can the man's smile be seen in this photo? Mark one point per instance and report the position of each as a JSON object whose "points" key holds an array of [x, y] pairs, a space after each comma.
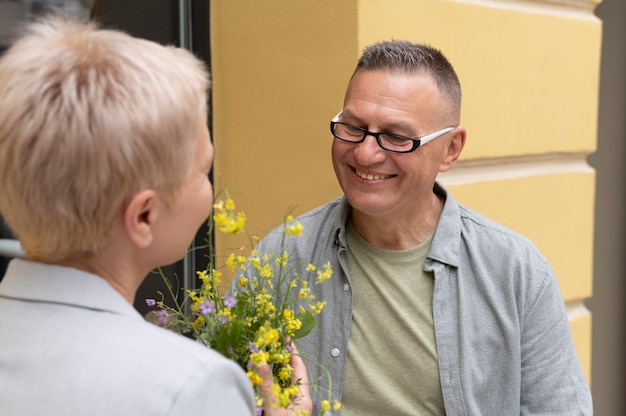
{"points": [[371, 176]]}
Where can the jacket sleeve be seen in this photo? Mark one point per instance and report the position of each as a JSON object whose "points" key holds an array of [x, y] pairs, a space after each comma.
{"points": [[552, 381], [217, 388]]}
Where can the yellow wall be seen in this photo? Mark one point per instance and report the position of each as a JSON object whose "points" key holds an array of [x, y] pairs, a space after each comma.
{"points": [[529, 72]]}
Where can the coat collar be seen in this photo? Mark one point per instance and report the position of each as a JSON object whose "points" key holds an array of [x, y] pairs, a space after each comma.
{"points": [[48, 283]]}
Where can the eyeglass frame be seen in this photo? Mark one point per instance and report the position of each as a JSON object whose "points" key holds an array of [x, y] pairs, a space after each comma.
{"points": [[416, 142]]}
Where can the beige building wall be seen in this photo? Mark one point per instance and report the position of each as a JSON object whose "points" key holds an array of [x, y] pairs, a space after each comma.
{"points": [[530, 74]]}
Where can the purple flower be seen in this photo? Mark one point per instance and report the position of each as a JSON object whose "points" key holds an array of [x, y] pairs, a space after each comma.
{"points": [[206, 307], [259, 411], [223, 319], [252, 347], [162, 317], [289, 347], [150, 302], [230, 301]]}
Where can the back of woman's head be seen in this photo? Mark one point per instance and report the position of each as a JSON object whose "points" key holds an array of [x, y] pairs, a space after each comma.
{"points": [[88, 117]]}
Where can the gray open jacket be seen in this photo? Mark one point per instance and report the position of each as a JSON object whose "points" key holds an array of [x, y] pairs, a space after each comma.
{"points": [[503, 338]]}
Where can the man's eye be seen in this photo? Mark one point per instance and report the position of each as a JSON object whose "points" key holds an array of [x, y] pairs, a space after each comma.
{"points": [[355, 131], [393, 142]]}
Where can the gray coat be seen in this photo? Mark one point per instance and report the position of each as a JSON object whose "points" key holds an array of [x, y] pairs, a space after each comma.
{"points": [[71, 345]]}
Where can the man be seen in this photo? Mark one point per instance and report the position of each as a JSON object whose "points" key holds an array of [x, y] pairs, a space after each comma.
{"points": [[433, 308], [104, 162]]}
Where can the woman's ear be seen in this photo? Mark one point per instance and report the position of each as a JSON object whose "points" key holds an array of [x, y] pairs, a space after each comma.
{"points": [[454, 148], [140, 216]]}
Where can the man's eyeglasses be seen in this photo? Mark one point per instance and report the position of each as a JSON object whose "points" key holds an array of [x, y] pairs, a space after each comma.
{"points": [[388, 141]]}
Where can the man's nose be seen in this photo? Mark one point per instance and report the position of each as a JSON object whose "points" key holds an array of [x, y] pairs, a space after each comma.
{"points": [[369, 149]]}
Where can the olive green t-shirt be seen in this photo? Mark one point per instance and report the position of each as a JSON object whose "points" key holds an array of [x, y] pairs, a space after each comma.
{"points": [[392, 364]]}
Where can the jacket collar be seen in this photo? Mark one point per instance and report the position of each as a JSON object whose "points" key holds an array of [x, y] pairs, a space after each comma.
{"points": [[445, 247], [48, 283], [446, 241]]}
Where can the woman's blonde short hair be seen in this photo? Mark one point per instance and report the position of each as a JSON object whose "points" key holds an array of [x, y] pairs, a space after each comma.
{"points": [[89, 117]]}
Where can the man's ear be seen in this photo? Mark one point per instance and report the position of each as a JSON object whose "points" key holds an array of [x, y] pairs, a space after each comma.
{"points": [[140, 216], [454, 148]]}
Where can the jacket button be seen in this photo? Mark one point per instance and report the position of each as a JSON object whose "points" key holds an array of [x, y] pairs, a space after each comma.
{"points": [[335, 352]]}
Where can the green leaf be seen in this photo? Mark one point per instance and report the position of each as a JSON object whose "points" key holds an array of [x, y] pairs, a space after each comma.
{"points": [[308, 323]]}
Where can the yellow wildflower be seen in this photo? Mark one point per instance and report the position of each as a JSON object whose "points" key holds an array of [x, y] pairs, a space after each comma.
{"points": [[260, 357], [202, 275], [316, 308], [304, 290], [193, 296], [229, 205], [267, 336], [217, 277], [283, 260], [225, 315], [198, 322], [284, 396], [294, 228], [229, 223], [231, 262], [325, 274], [284, 374], [256, 262], [255, 379], [266, 271], [282, 357], [293, 325]]}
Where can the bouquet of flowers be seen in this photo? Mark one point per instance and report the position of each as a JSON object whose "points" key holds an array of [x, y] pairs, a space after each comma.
{"points": [[255, 323]]}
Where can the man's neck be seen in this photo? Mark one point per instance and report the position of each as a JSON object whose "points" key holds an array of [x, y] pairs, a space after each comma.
{"points": [[393, 233]]}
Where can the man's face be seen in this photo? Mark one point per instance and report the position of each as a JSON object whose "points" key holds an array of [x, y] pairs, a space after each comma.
{"points": [[382, 183]]}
